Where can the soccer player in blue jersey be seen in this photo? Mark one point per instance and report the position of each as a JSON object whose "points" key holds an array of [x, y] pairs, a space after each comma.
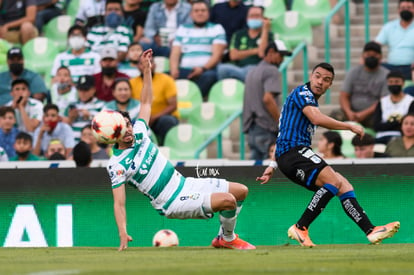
{"points": [[294, 157], [136, 161]]}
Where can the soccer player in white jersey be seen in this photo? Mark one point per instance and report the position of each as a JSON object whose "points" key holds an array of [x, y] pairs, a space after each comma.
{"points": [[137, 161]]}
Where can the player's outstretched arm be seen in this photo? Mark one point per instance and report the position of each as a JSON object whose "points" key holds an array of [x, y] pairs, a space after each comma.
{"points": [[146, 94], [318, 118], [120, 216]]}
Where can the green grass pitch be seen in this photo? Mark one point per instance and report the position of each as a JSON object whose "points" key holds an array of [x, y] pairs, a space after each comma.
{"points": [[290, 259]]}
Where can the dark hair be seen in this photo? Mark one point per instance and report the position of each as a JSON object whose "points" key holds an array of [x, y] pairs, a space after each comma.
{"points": [[367, 139], [325, 66], [6, 109], [50, 106], [120, 80], [395, 74], [88, 126], [57, 156], [372, 46], [82, 154], [335, 138], [134, 44], [77, 27], [259, 7], [412, 1], [20, 81], [113, 2], [125, 114], [24, 136], [200, 1], [63, 68]]}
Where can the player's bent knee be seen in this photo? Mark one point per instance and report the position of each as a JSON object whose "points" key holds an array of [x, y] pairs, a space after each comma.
{"points": [[239, 190], [223, 201]]}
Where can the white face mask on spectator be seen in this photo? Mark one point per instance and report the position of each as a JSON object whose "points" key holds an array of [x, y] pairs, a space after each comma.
{"points": [[76, 42]]}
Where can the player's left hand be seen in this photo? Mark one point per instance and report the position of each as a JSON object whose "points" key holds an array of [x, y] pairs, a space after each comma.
{"points": [[357, 129], [124, 242], [267, 175]]}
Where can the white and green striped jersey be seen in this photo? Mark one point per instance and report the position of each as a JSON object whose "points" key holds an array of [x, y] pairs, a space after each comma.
{"points": [[143, 167], [94, 106], [197, 43], [87, 63], [119, 38]]}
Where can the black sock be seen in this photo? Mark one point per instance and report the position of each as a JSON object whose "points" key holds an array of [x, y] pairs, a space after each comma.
{"points": [[355, 212], [319, 200]]}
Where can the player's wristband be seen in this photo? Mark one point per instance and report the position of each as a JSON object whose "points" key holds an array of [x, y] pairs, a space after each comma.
{"points": [[273, 164]]}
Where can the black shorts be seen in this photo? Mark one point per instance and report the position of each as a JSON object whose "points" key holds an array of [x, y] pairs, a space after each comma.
{"points": [[302, 166]]}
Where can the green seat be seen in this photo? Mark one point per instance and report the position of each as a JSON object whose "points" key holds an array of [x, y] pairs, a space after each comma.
{"points": [[162, 64], [39, 54], [207, 117], [57, 30], [292, 28], [314, 10], [4, 47], [188, 97], [183, 141], [408, 83], [72, 8], [274, 8], [228, 95]]}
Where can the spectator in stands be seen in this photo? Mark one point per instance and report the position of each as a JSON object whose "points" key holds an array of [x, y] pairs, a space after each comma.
{"points": [[231, 15], [97, 151], [398, 36], [261, 103], [129, 66], [113, 32], [16, 70], [197, 49], [403, 146], [46, 10], [391, 109], [52, 128], [63, 92], [55, 150], [162, 21], [364, 147], [146, 4], [329, 145], [90, 13], [8, 131], [82, 154], [164, 114], [134, 18], [17, 21], [247, 46], [29, 111], [105, 80], [81, 113], [410, 89], [123, 100], [78, 58], [23, 147], [363, 87], [3, 155]]}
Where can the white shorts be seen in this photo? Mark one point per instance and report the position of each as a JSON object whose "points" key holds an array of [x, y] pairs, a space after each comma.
{"points": [[194, 200]]}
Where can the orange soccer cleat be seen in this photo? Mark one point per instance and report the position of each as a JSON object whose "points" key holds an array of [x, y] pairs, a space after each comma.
{"points": [[383, 232], [302, 236], [237, 243]]}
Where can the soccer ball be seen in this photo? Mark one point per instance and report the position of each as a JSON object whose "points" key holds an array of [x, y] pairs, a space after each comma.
{"points": [[165, 238], [108, 126]]}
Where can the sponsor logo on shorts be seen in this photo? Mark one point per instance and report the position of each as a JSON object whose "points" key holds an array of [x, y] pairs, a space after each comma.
{"points": [[194, 197], [206, 172], [300, 174], [315, 159]]}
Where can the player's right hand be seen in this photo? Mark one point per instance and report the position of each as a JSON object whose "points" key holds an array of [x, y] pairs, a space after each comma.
{"points": [[267, 175], [124, 242]]}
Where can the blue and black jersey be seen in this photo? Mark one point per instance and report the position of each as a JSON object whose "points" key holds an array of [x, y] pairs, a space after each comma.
{"points": [[294, 127]]}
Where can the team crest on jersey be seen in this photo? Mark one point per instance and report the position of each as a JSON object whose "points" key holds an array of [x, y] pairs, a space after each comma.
{"points": [[300, 174], [143, 170]]}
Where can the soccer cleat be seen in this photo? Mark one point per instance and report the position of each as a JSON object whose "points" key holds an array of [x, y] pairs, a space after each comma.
{"points": [[383, 232], [216, 242], [237, 243], [302, 236]]}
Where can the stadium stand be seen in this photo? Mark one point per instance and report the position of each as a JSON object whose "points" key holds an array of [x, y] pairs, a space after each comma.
{"points": [[188, 97]]}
